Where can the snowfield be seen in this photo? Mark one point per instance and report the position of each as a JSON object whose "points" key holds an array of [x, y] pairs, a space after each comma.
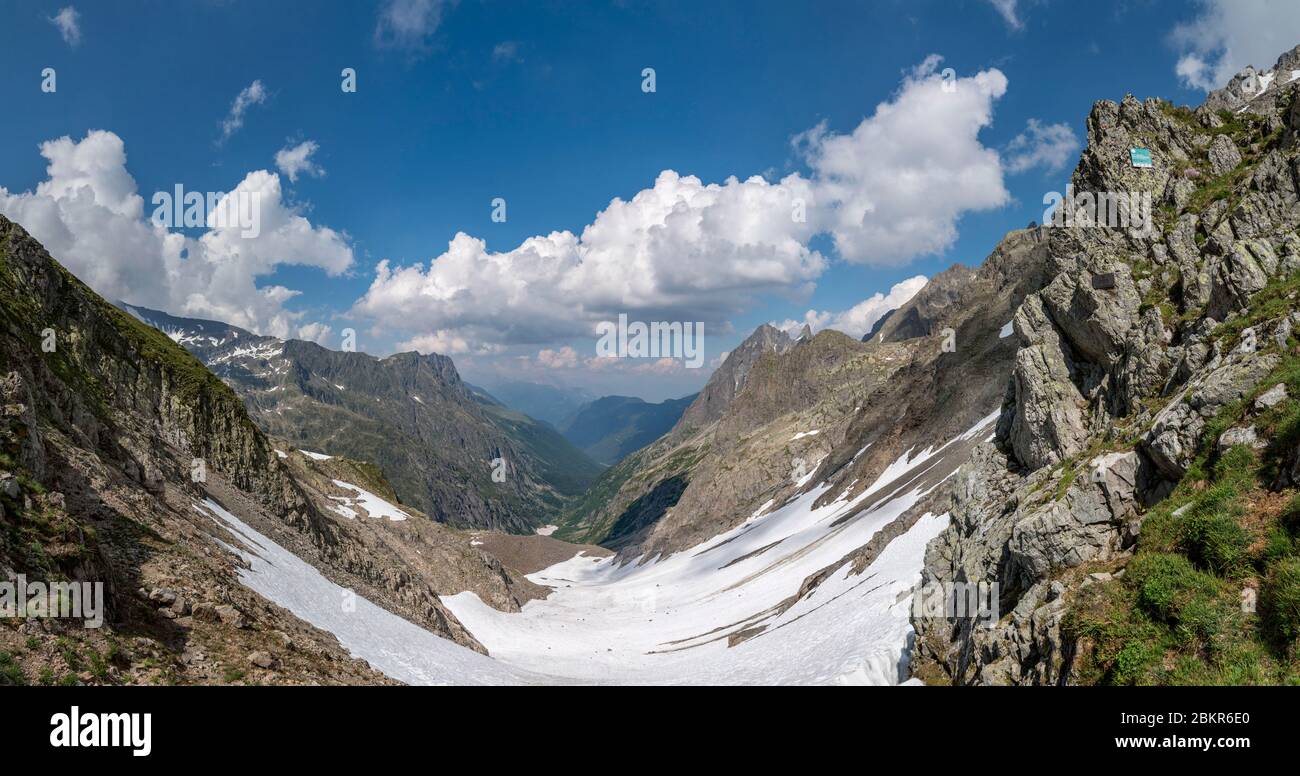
{"points": [[391, 644], [374, 505], [668, 621]]}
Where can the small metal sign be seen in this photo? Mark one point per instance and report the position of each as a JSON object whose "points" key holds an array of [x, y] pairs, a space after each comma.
{"points": [[1140, 157], [1103, 280]]}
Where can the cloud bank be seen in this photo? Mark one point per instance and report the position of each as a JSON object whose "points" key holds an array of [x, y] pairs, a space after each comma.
{"points": [[890, 190], [90, 216]]}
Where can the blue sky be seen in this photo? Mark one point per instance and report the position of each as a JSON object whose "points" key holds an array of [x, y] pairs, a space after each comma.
{"points": [[541, 104]]}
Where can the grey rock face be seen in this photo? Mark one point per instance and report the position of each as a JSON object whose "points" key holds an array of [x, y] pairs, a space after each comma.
{"points": [[1104, 361], [1271, 398], [1080, 526], [1176, 430], [1048, 420], [1240, 436], [1224, 156], [1005, 531], [1234, 278]]}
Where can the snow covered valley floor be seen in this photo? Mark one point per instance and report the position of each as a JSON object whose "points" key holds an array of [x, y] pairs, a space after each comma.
{"points": [[719, 613]]}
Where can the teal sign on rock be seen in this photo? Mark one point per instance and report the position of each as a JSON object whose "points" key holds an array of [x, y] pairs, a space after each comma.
{"points": [[1140, 157]]}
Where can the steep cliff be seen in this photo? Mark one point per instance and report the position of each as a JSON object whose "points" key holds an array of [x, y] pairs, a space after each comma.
{"points": [[1135, 508]]}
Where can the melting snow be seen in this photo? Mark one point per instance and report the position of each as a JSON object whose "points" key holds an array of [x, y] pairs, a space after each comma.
{"points": [[1007, 330], [666, 620], [263, 352], [395, 646], [179, 336], [547, 530], [316, 456], [281, 454], [803, 434], [374, 505], [347, 512]]}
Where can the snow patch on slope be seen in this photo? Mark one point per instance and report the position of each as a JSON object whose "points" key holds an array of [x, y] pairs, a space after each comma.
{"points": [[666, 621], [374, 505], [393, 645], [669, 620]]}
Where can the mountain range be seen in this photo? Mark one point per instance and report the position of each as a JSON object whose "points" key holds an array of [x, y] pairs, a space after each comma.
{"points": [[611, 427], [434, 437], [1096, 432]]}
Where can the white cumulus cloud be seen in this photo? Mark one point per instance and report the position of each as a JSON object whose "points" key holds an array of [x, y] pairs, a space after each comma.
{"points": [[1228, 35], [297, 160], [316, 332], [896, 186], [677, 251], [90, 216], [685, 250], [858, 319]]}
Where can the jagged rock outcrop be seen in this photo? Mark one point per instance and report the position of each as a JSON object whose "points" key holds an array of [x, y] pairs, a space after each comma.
{"points": [[1173, 438], [1125, 356], [729, 379]]}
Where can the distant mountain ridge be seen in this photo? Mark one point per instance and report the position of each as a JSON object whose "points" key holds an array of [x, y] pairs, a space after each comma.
{"points": [[410, 414], [613, 426], [550, 403]]}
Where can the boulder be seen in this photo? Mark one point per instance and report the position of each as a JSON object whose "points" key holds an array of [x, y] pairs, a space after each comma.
{"points": [[1224, 156], [262, 659], [1271, 398], [1240, 436]]}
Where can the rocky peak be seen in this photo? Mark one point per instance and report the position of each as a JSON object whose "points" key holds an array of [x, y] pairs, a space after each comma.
{"points": [[921, 315], [728, 380], [1251, 86]]}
